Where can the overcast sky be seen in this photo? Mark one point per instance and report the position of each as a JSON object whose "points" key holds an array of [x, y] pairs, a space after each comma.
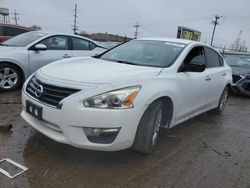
{"points": [[157, 18]]}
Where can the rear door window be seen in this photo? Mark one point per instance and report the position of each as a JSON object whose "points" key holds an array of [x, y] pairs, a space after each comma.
{"points": [[212, 58], [80, 44]]}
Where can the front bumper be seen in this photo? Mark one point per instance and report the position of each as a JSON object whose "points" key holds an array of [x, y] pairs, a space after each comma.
{"points": [[66, 125], [242, 86]]}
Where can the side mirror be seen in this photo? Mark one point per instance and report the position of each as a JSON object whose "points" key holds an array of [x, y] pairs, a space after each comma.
{"points": [[193, 67], [40, 47]]}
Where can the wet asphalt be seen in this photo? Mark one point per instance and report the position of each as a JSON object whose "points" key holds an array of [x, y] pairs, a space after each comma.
{"points": [[206, 151]]}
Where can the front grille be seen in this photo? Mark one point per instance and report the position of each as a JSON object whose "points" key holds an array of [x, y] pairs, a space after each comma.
{"points": [[46, 93], [236, 78]]}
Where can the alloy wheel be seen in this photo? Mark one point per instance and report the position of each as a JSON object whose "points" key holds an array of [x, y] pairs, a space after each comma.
{"points": [[8, 78], [157, 127], [223, 99]]}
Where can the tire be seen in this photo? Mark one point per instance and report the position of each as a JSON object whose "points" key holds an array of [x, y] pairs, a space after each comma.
{"points": [[222, 102], [148, 128], [10, 77]]}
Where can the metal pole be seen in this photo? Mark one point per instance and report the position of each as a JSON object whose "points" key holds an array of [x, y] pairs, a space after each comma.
{"points": [[215, 22]]}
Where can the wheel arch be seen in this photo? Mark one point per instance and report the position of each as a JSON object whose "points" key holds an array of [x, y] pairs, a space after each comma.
{"points": [[168, 103], [168, 110], [228, 85]]}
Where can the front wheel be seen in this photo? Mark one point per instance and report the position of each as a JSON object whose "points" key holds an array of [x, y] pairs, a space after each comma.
{"points": [[10, 77], [222, 102], [148, 128]]}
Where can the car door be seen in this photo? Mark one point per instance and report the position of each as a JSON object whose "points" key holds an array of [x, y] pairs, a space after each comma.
{"points": [[192, 87], [83, 47], [57, 48], [216, 75]]}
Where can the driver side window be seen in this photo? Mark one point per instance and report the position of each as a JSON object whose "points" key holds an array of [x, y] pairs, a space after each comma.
{"points": [[196, 56], [56, 43]]}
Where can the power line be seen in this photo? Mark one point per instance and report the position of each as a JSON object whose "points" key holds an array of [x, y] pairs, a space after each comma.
{"points": [[75, 27], [215, 22], [15, 16], [136, 29]]}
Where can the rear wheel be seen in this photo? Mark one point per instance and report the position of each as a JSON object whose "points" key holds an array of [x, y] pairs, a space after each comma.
{"points": [[148, 128], [223, 101], [10, 77]]}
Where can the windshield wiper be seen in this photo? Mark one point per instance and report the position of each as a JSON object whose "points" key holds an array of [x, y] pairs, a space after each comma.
{"points": [[3, 44], [235, 66], [126, 62]]}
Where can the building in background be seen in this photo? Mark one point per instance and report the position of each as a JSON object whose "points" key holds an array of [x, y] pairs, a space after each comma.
{"points": [[105, 37]]}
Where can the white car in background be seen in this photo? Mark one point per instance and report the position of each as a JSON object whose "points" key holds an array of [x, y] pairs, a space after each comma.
{"points": [[121, 98], [24, 54]]}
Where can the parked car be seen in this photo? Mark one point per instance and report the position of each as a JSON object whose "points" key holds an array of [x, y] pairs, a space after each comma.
{"points": [[8, 30], [121, 98], [240, 64], [22, 55]]}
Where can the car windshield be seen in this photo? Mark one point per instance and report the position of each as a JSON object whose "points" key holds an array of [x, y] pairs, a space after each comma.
{"points": [[145, 53], [23, 39], [238, 60]]}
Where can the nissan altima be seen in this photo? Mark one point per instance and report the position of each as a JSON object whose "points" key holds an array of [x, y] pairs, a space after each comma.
{"points": [[121, 98]]}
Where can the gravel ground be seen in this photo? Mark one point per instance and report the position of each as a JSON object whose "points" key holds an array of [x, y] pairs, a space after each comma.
{"points": [[206, 151]]}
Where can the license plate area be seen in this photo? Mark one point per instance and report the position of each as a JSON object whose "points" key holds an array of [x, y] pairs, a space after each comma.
{"points": [[34, 110]]}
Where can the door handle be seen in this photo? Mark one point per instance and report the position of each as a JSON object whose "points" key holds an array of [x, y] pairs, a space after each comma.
{"points": [[66, 56], [224, 74], [208, 78]]}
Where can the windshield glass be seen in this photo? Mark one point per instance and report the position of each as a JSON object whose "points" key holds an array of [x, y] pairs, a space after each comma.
{"points": [[145, 53], [23, 39], [238, 60]]}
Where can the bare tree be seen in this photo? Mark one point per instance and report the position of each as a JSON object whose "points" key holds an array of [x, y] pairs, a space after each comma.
{"points": [[239, 45]]}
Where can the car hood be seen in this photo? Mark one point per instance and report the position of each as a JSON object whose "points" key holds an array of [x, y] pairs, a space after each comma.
{"points": [[96, 71], [6, 48], [240, 70]]}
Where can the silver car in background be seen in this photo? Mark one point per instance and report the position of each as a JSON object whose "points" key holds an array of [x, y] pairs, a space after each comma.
{"points": [[24, 54]]}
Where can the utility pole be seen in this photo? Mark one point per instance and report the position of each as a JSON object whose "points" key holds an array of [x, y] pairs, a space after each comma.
{"points": [[15, 16], [215, 22], [75, 27], [136, 29]]}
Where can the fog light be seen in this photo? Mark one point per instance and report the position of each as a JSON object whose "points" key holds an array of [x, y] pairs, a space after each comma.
{"points": [[101, 135]]}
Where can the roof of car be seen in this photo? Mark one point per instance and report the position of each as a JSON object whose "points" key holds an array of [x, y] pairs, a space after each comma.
{"points": [[183, 41], [60, 33]]}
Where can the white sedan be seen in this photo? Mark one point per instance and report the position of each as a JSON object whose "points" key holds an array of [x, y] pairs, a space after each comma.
{"points": [[121, 98], [24, 54]]}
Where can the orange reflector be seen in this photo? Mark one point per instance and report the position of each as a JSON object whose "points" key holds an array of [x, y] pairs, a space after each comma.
{"points": [[129, 100]]}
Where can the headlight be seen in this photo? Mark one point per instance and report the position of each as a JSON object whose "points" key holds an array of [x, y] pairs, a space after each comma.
{"points": [[117, 99], [247, 76]]}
